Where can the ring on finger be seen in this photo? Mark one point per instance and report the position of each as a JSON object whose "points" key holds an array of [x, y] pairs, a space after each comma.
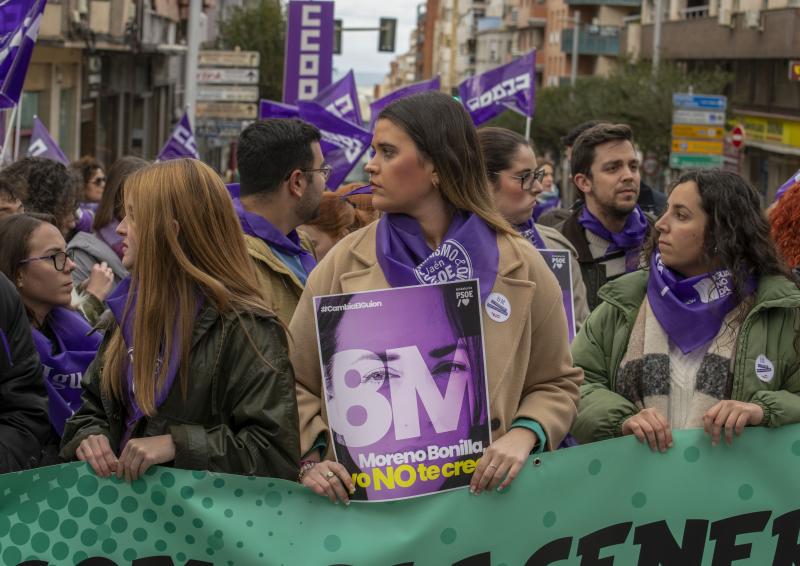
{"points": [[329, 474], [492, 466]]}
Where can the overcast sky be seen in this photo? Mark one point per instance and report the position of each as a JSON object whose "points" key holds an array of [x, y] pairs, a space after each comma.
{"points": [[360, 49]]}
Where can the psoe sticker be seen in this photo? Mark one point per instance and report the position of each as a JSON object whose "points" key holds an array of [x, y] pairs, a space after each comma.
{"points": [[498, 307], [764, 369]]}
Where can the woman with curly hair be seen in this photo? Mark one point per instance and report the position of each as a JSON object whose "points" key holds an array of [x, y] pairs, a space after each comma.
{"points": [[333, 222], [785, 221], [94, 178], [705, 337]]}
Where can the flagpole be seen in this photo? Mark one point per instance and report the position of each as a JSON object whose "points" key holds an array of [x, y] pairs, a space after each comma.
{"points": [[527, 127], [7, 137], [19, 126]]}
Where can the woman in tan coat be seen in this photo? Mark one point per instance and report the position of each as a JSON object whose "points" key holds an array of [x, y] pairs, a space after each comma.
{"points": [[429, 180]]}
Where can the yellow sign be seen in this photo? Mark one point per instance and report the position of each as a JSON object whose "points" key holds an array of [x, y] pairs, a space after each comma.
{"points": [[696, 146], [702, 132], [773, 130]]}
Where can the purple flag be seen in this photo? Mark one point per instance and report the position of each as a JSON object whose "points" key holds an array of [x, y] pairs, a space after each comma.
{"points": [[309, 50], [343, 143], [271, 109], [376, 107], [790, 182], [180, 143], [43, 145], [341, 99], [19, 28], [510, 87]]}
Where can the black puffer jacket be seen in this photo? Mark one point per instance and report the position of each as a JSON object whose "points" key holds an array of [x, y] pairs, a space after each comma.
{"points": [[24, 424], [239, 415]]}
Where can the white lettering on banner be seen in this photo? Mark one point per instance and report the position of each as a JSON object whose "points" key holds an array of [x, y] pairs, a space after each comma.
{"points": [[465, 447], [341, 106], [37, 148], [500, 92], [351, 146], [185, 138], [355, 382], [308, 85], [63, 380]]}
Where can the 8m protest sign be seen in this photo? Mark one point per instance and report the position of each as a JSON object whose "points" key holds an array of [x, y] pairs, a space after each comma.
{"points": [[405, 387], [612, 503]]}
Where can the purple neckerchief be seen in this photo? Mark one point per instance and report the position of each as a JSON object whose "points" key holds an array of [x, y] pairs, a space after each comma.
{"points": [[528, 231], [108, 235], [542, 207], [233, 189], [629, 240], [259, 227], [365, 190], [65, 361], [116, 303], [84, 218], [691, 310], [468, 251]]}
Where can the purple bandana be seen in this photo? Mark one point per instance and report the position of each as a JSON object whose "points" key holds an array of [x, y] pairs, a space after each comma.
{"points": [[528, 231], [108, 235], [116, 303], [259, 227], [64, 362], [629, 240], [468, 251], [544, 206], [691, 310]]}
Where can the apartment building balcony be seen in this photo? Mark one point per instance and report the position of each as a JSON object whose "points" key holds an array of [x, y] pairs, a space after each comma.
{"points": [[749, 34], [593, 40], [622, 3]]}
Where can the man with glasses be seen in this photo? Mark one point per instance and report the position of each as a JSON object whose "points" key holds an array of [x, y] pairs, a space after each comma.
{"points": [[282, 176], [609, 228]]}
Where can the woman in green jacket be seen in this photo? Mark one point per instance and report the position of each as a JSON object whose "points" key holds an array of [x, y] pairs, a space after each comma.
{"points": [[705, 337], [195, 371]]}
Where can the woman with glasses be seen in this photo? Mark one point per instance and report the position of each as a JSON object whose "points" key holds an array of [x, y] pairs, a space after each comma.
{"points": [[429, 180], [194, 369], [34, 258], [516, 183], [94, 179]]}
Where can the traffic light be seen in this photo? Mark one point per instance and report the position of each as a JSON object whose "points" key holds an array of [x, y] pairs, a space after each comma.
{"points": [[387, 35], [337, 37]]}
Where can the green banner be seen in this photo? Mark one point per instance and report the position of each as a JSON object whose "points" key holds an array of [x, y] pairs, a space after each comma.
{"points": [[608, 503]]}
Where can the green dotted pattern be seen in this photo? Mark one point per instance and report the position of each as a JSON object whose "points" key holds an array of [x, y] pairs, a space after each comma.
{"points": [[65, 514]]}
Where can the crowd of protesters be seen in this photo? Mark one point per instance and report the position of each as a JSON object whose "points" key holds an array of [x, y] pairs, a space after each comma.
{"points": [[151, 316]]}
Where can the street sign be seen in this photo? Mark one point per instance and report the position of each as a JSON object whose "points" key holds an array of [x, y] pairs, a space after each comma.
{"points": [[216, 128], [228, 58], [701, 132], [228, 110], [698, 117], [222, 75], [696, 146], [693, 161], [699, 101], [737, 136], [228, 93], [794, 70]]}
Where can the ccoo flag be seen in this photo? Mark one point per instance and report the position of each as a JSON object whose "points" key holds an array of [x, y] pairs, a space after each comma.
{"points": [[43, 145], [342, 143], [19, 28], [376, 107], [510, 87], [180, 143], [339, 98], [790, 182]]}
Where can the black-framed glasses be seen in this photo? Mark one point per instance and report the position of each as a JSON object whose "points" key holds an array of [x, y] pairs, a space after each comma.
{"points": [[326, 171], [526, 180], [59, 259]]}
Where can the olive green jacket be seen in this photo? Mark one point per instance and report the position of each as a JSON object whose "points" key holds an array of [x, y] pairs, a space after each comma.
{"points": [[769, 330], [239, 414]]}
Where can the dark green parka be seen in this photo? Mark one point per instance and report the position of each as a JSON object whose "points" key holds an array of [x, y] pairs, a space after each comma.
{"points": [[239, 415]]}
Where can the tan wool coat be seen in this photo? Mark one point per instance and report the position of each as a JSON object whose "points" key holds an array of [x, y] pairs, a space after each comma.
{"points": [[528, 359], [281, 288]]}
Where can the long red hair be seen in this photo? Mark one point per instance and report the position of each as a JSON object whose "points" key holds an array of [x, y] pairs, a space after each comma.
{"points": [[785, 225]]}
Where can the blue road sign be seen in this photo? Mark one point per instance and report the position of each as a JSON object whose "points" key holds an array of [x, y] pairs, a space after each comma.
{"points": [[699, 101]]}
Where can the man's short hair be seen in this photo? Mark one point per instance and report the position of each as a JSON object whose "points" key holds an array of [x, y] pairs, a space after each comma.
{"points": [[583, 152], [568, 140], [269, 150]]}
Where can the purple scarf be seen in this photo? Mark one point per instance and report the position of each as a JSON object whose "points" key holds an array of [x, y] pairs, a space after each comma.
{"points": [[116, 303], [468, 251], [542, 207], [84, 217], [528, 231], [64, 361], [108, 235], [259, 227], [629, 240], [691, 310]]}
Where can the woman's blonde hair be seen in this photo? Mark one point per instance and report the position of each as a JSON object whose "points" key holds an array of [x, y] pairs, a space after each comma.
{"points": [[190, 247]]}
